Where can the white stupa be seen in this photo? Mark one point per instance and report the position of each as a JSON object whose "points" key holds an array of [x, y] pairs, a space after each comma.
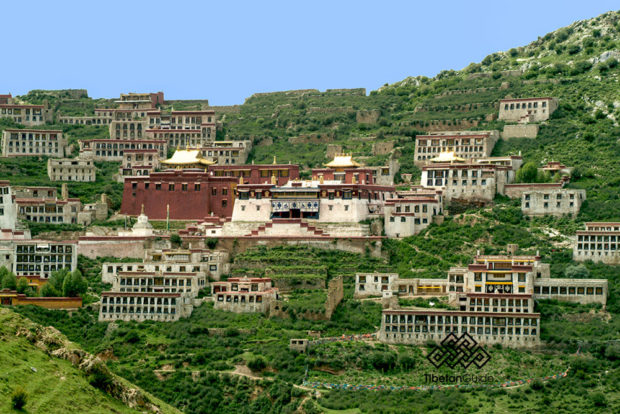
{"points": [[142, 226]]}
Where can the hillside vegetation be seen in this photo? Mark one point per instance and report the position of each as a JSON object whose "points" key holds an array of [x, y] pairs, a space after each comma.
{"points": [[52, 384]]}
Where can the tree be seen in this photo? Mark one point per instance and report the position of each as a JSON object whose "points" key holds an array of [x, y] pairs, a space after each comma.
{"points": [[57, 280], [3, 272], [48, 291], [527, 173], [577, 272], [74, 284], [9, 281], [175, 239], [22, 285]]}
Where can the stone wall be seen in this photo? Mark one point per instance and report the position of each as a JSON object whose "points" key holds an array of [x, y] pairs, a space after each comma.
{"points": [[287, 284], [333, 150], [520, 131], [335, 293], [236, 245], [434, 125], [312, 138], [93, 247], [382, 148], [367, 116], [517, 190]]}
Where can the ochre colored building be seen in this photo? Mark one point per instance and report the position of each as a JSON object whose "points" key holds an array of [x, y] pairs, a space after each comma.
{"points": [[12, 298]]}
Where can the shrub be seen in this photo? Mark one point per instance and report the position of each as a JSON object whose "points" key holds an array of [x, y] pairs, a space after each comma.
{"points": [[175, 239], [22, 285], [537, 385], [598, 399], [577, 272], [132, 337], [257, 364], [99, 378], [18, 398]]}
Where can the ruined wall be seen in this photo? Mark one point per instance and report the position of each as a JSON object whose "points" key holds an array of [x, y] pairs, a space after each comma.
{"points": [[442, 124], [312, 138], [333, 150], [335, 293], [93, 247], [520, 131], [382, 148], [367, 116]]}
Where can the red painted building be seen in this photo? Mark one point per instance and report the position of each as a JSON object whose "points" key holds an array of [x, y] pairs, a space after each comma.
{"points": [[193, 194]]}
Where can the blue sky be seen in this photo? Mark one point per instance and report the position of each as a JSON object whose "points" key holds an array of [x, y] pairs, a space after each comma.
{"points": [[224, 51]]}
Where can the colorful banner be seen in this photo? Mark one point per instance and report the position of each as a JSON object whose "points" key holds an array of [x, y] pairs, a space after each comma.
{"points": [[352, 387]]}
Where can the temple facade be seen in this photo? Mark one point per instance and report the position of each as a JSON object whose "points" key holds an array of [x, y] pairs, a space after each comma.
{"points": [[342, 192], [193, 194]]}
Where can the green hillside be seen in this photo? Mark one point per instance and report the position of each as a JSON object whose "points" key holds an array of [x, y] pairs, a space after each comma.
{"points": [[52, 384]]}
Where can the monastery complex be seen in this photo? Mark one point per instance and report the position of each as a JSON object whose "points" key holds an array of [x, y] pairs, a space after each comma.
{"points": [[172, 168]]}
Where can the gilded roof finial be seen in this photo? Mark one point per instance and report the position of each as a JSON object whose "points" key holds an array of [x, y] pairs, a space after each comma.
{"points": [[142, 210], [274, 159], [274, 180]]}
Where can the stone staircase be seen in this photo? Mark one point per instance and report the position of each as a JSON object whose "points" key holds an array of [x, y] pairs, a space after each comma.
{"points": [[525, 119], [287, 227]]}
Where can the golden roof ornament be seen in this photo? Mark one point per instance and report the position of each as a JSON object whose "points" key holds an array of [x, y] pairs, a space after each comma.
{"points": [[142, 210], [274, 180], [274, 159]]}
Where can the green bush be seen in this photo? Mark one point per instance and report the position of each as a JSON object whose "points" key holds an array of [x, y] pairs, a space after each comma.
{"points": [[257, 364], [19, 396]]}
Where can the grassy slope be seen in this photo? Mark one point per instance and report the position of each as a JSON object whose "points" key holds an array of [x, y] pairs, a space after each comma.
{"points": [[56, 387]]}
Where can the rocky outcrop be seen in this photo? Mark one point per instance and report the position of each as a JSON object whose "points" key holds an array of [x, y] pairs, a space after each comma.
{"points": [[55, 344]]}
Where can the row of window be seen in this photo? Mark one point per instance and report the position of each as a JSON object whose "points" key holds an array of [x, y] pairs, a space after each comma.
{"points": [[18, 111], [41, 151], [459, 320], [567, 290], [32, 136], [498, 302], [86, 121], [415, 220], [31, 248], [416, 208], [546, 205], [524, 105], [50, 258], [168, 268], [457, 150], [597, 246], [184, 187], [133, 281], [472, 330], [240, 298], [130, 310], [138, 300], [23, 269], [588, 238]]}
